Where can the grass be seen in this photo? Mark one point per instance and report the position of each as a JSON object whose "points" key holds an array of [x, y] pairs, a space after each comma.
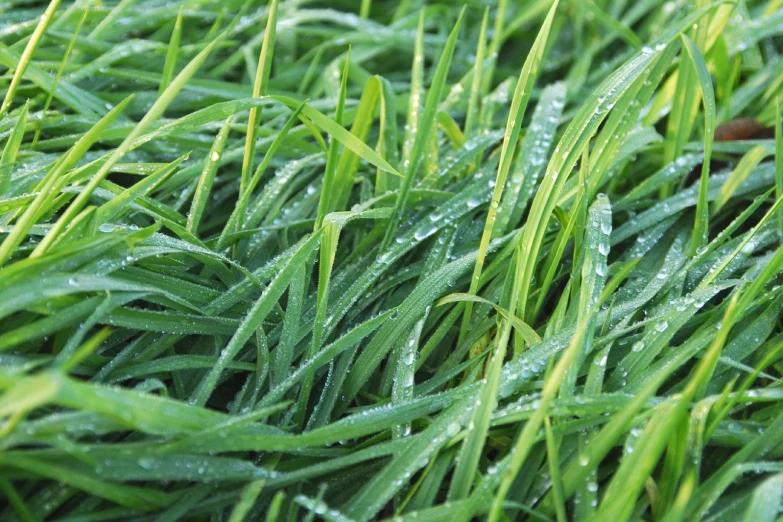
{"points": [[390, 260]]}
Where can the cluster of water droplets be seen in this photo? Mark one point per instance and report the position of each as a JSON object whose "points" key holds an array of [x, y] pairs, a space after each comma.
{"points": [[322, 509]]}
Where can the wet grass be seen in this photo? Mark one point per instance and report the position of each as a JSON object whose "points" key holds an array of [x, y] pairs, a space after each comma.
{"points": [[391, 260]]}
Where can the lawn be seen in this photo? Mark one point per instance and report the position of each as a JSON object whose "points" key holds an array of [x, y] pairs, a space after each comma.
{"points": [[391, 260]]}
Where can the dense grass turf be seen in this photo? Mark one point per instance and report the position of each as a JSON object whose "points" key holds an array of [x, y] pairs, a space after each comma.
{"points": [[386, 260]]}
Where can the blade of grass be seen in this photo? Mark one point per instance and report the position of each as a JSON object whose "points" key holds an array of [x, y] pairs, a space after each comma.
{"points": [[204, 188], [27, 55], [701, 226], [259, 88], [171, 55]]}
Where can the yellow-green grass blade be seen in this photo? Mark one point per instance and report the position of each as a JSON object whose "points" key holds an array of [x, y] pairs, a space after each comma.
{"points": [[324, 200], [30, 215], [27, 55], [259, 87]]}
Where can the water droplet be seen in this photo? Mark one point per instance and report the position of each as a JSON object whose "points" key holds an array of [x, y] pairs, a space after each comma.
{"points": [[384, 258], [424, 233], [147, 462]]}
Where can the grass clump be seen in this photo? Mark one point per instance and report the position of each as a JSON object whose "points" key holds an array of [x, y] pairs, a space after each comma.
{"points": [[391, 260]]}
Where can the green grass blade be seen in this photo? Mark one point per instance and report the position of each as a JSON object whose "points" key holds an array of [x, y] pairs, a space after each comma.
{"points": [[11, 149], [475, 86], [171, 55], [324, 200], [207, 178], [701, 226]]}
